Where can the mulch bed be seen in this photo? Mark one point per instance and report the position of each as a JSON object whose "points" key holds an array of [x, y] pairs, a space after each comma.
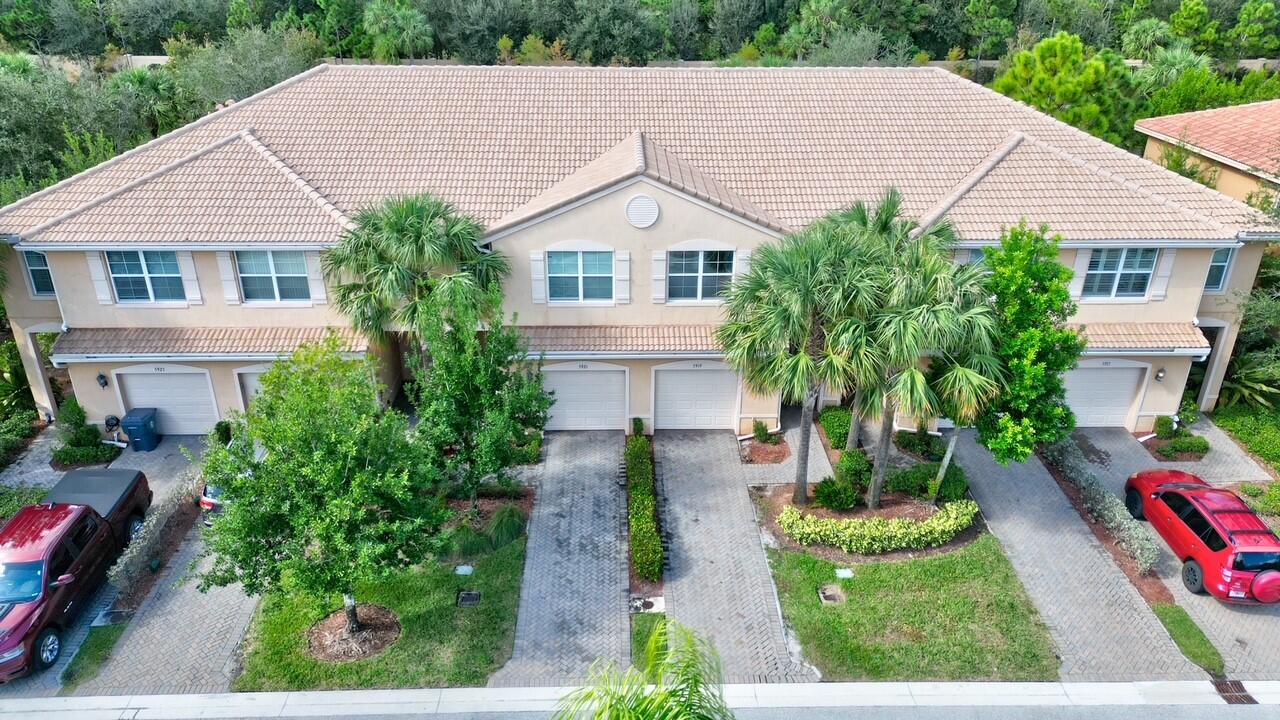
{"points": [[833, 453], [770, 501], [758, 453], [171, 536], [1156, 443], [640, 586], [487, 506], [1150, 587], [328, 641]]}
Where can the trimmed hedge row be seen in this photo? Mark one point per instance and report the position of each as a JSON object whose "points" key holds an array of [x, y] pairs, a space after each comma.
{"points": [[835, 423], [1104, 505], [918, 479], [1197, 444], [135, 562], [642, 509], [872, 536]]}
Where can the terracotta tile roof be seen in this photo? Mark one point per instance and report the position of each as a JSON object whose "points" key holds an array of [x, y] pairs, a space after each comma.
{"points": [[199, 340], [620, 338], [1143, 336], [1246, 135], [798, 142]]}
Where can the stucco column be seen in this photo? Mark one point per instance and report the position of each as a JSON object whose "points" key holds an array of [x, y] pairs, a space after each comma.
{"points": [[1217, 370], [33, 364]]}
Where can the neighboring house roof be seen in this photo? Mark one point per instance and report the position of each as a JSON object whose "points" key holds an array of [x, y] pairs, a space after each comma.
{"points": [[163, 341], [620, 338], [1157, 337], [787, 145], [1246, 137]]}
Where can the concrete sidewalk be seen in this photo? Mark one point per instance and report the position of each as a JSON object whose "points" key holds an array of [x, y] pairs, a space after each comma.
{"points": [[539, 701]]}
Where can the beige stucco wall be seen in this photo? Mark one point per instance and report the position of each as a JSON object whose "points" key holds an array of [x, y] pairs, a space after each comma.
{"points": [[1231, 181], [1180, 304], [29, 314], [603, 221]]}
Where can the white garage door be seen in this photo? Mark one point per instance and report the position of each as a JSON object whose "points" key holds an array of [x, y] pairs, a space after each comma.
{"points": [[696, 400], [184, 401], [587, 399], [250, 385], [1102, 397]]}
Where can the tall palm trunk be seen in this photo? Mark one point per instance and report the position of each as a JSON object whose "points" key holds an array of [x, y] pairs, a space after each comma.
{"points": [[855, 421], [882, 454], [801, 494]]}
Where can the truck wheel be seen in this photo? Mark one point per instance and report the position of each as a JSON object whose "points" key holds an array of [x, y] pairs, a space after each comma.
{"points": [[48, 648], [135, 527], [1133, 503], [1193, 577]]}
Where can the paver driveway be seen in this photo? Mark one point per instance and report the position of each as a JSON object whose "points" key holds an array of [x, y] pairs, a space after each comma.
{"points": [[573, 601], [1102, 628], [719, 583], [1247, 636]]}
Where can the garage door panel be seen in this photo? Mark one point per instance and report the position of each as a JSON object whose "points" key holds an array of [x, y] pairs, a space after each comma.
{"points": [[183, 401], [250, 386], [586, 399], [695, 399], [1102, 397]]}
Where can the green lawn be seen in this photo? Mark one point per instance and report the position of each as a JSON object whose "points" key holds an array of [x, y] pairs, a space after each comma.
{"points": [[13, 499], [642, 627], [1258, 429], [97, 647], [958, 616], [1190, 638], [440, 645]]}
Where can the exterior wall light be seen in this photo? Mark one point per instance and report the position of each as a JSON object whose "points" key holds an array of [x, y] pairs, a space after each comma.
{"points": [[102, 380], [1160, 375]]}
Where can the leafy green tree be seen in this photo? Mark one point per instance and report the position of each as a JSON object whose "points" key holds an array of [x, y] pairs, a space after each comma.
{"points": [[1257, 29], [77, 28], [1094, 92], [850, 48], [24, 23], [152, 93], [340, 24], [1032, 301], [990, 25], [1202, 88], [397, 29], [1145, 37], [680, 678], [324, 488], [385, 269], [615, 31], [240, 15], [473, 28], [734, 21], [1191, 22], [897, 21], [818, 21], [550, 19], [1169, 64], [684, 29]]}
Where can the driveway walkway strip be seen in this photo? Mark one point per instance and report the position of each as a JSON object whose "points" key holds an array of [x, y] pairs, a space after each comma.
{"points": [[719, 583], [1102, 628], [573, 600]]}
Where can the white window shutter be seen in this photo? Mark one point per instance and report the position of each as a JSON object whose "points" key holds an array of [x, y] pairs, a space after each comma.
{"points": [[1081, 267], [659, 276], [741, 262], [1164, 269], [315, 278], [227, 273], [622, 276], [538, 276], [190, 283], [98, 274]]}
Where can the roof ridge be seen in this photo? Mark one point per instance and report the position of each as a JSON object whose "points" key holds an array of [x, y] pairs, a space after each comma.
{"points": [[604, 69], [642, 165], [292, 175], [176, 132], [1207, 111], [967, 183]]}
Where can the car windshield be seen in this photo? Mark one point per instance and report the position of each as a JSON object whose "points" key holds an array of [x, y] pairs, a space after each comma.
{"points": [[20, 582], [1258, 561], [213, 492]]}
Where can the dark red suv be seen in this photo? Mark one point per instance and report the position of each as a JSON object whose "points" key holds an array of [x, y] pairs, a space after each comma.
{"points": [[1225, 548]]}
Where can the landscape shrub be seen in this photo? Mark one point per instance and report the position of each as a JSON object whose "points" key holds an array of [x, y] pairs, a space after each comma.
{"points": [[761, 433], [1184, 444], [135, 562], [1253, 491], [1166, 428], [505, 527], [919, 443], [875, 535], [642, 509], [1258, 429], [1189, 410], [1104, 505], [21, 424], [835, 423], [81, 443], [531, 452], [835, 494], [854, 468], [91, 455], [917, 479], [637, 426]]}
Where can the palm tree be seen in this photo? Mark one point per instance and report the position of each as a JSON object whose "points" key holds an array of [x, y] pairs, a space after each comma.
{"points": [[779, 317], [929, 345], [681, 680], [400, 252]]}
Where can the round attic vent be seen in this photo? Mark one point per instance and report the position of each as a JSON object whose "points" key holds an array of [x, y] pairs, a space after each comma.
{"points": [[642, 211]]}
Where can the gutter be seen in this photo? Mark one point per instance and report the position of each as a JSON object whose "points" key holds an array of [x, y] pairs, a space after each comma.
{"points": [[1197, 354], [63, 359]]}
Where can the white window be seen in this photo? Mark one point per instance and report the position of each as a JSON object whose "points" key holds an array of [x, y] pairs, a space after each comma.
{"points": [[698, 274], [1120, 272], [147, 276], [38, 272], [273, 275], [1218, 266], [579, 275]]}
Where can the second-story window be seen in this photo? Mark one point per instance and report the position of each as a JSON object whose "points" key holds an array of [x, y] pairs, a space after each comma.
{"points": [[38, 272], [273, 275], [147, 276], [1218, 266], [1120, 272], [577, 276], [698, 274]]}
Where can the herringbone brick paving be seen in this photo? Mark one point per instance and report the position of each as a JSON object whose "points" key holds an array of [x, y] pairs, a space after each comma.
{"points": [[573, 601]]}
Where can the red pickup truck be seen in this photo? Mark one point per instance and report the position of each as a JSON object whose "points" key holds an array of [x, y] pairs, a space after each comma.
{"points": [[54, 555]]}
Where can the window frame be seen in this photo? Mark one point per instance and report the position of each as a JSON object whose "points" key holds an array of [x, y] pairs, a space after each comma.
{"points": [[275, 276], [580, 274], [1226, 270], [1118, 273], [31, 270], [147, 275], [701, 275]]}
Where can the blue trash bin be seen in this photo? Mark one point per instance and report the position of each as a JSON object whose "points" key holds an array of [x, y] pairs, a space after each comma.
{"points": [[140, 426]]}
